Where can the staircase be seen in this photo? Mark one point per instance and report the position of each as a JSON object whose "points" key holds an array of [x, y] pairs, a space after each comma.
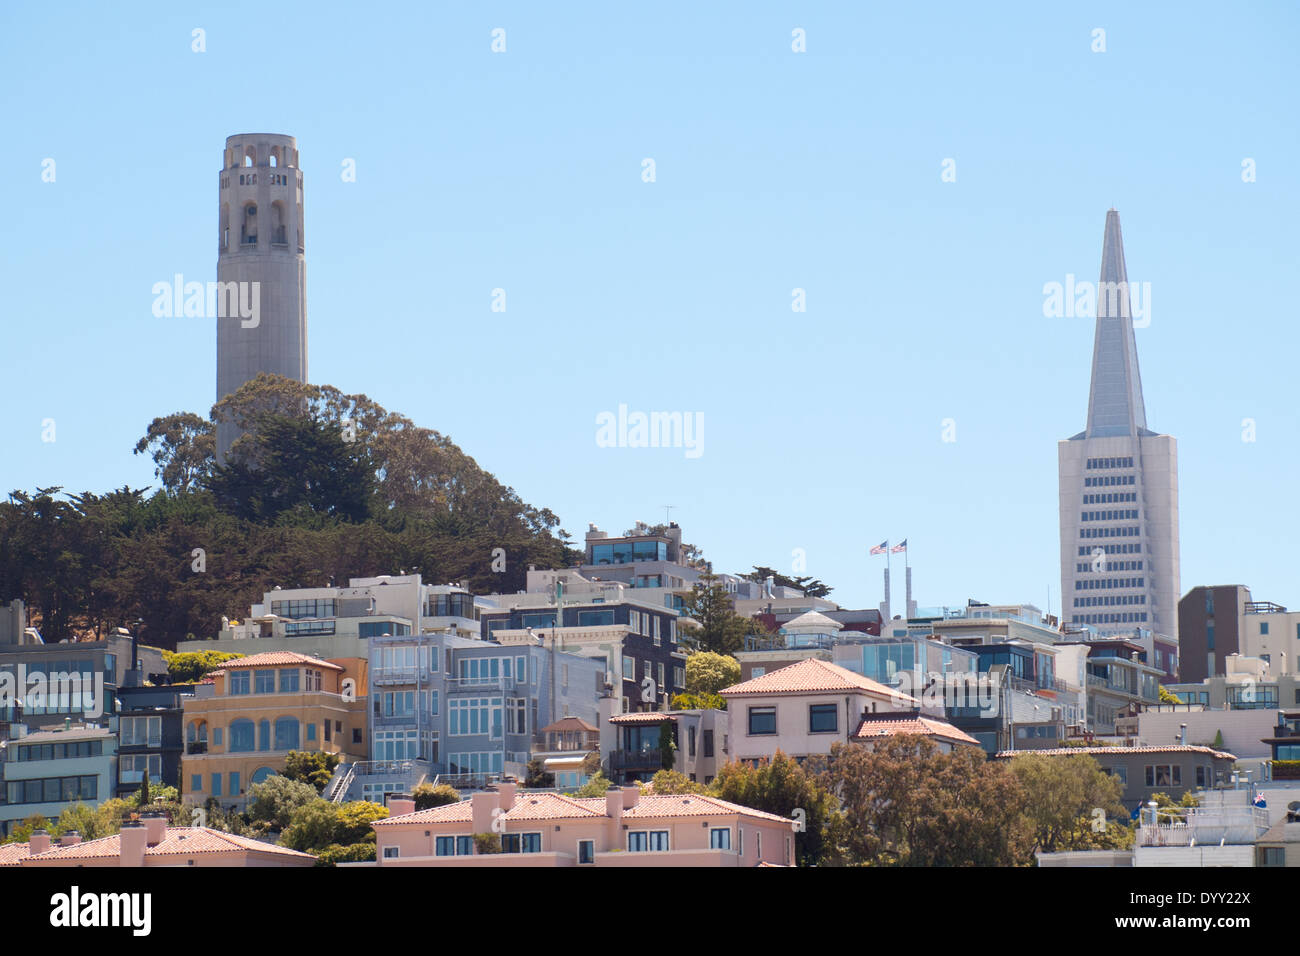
{"points": [[336, 791]]}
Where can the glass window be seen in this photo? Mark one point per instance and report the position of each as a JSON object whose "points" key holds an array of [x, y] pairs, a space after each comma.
{"points": [[311, 731], [445, 846], [196, 783], [637, 841], [823, 719], [264, 682], [720, 838], [288, 680], [286, 733], [216, 784], [241, 736], [658, 841], [239, 682], [762, 720], [586, 851]]}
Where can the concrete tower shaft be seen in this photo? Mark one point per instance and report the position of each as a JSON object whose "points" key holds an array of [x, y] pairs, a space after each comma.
{"points": [[260, 241]]}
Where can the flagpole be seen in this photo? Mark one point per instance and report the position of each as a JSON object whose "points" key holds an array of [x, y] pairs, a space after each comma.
{"points": [[889, 568]]}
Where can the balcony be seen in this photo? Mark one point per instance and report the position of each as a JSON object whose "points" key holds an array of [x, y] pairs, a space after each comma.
{"points": [[396, 675], [479, 685], [196, 747], [1204, 826], [635, 761]]}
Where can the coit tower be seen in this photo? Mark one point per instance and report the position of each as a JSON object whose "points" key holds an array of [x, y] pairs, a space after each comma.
{"points": [[260, 247]]}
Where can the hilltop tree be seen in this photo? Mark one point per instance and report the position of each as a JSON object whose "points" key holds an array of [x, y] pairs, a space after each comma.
{"points": [[810, 586]]}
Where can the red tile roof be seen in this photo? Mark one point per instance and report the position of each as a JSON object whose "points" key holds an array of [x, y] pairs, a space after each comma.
{"points": [[1172, 749], [813, 676], [178, 841], [926, 726], [652, 717], [277, 659], [568, 723], [554, 806], [656, 806], [13, 853], [528, 806]]}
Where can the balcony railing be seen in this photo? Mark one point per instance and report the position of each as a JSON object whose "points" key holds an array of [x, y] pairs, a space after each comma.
{"points": [[396, 675], [196, 747], [635, 761]]}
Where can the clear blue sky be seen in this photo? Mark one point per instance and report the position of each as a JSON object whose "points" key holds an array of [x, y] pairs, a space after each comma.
{"points": [[775, 170]]}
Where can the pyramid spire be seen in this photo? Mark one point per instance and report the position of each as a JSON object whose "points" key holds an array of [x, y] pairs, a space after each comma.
{"points": [[1115, 404]]}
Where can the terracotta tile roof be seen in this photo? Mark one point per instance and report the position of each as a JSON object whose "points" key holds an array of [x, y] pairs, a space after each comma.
{"points": [[652, 717], [554, 806], [179, 841], [277, 659], [528, 806], [813, 676], [568, 723], [658, 806], [926, 726], [12, 853], [1172, 749]]}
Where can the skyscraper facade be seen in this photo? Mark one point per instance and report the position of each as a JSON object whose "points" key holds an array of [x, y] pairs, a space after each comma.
{"points": [[261, 249], [1118, 483]]}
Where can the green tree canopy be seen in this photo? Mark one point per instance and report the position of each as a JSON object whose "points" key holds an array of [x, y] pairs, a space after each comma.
{"points": [[188, 667], [427, 796], [907, 803], [274, 800], [708, 673], [782, 787], [1060, 795], [310, 766]]}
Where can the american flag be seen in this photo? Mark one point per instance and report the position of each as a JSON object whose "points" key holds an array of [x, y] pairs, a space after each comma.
{"points": [[880, 548], [899, 547]]}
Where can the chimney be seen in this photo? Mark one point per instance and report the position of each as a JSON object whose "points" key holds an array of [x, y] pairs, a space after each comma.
{"points": [[134, 839], [481, 806], [155, 827], [630, 796], [614, 806], [67, 723], [39, 842], [507, 794], [400, 804], [71, 838]]}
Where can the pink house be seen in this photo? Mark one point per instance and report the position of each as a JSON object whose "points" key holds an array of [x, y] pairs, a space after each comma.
{"points": [[623, 828]]}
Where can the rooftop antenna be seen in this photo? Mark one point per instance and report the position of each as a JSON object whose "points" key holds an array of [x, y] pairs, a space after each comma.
{"points": [[667, 515]]}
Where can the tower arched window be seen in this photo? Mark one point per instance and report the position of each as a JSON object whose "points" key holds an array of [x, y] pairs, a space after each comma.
{"points": [[248, 230], [278, 232], [264, 735]]}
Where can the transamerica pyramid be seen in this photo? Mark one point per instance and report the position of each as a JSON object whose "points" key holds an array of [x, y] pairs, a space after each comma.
{"points": [[1118, 482]]}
